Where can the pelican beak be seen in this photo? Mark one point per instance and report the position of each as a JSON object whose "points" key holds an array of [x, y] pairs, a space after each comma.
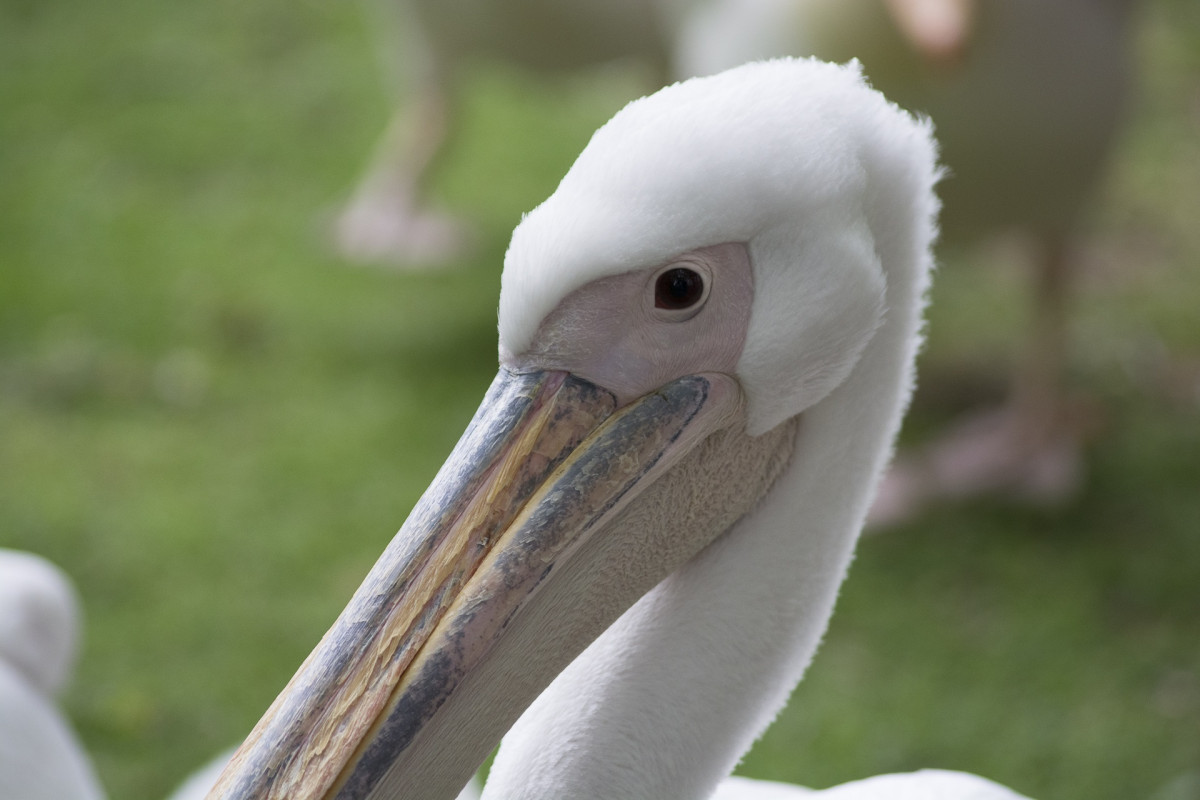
{"points": [[545, 463]]}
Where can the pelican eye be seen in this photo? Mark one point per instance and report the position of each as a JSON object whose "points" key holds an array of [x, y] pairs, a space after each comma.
{"points": [[678, 288]]}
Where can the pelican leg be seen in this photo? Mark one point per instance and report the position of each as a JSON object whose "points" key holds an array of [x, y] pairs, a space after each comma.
{"points": [[1029, 449], [388, 219], [1048, 426]]}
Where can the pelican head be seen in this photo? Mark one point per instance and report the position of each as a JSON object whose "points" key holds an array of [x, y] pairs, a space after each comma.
{"points": [[706, 345], [39, 620]]}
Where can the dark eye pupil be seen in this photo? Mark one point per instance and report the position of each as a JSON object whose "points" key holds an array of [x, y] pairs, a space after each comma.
{"points": [[678, 288]]}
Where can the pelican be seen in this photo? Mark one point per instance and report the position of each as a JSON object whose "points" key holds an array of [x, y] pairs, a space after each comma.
{"points": [[706, 344], [40, 757]]}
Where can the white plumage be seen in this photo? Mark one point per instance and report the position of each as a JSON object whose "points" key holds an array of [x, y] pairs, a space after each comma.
{"points": [[927, 784], [40, 758]]}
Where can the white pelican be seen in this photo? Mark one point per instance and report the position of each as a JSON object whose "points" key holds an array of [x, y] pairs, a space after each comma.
{"points": [[40, 757], [707, 337]]}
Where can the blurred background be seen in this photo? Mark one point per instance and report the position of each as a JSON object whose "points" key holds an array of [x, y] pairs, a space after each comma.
{"points": [[214, 422]]}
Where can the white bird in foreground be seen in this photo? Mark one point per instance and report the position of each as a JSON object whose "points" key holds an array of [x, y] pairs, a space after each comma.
{"points": [[707, 337]]}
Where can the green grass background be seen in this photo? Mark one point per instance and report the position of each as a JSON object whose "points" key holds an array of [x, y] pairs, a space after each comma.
{"points": [[214, 425]]}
